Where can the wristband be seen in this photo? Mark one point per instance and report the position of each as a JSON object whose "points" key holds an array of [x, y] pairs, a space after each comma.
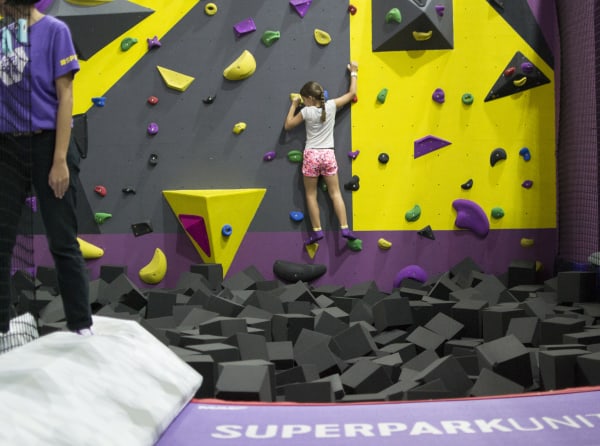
{"points": [[354, 74]]}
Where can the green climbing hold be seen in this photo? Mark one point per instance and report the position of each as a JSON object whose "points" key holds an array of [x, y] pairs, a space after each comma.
{"points": [[127, 43], [413, 214], [497, 213], [467, 98], [393, 15], [355, 245], [270, 37], [382, 95], [295, 156], [101, 217], [323, 185]]}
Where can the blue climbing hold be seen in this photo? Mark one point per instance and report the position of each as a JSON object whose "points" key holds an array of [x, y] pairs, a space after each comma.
{"points": [[296, 216]]}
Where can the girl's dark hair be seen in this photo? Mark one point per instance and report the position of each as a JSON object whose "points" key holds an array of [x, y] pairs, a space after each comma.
{"points": [[314, 90], [21, 2]]}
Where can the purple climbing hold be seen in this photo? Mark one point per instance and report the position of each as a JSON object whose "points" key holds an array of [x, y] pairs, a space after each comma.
{"points": [[440, 9], [527, 184], [269, 156], [153, 42], [527, 67], [414, 272], [31, 202], [439, 96], [428, 144], [354, 154], [469, 215], [152, 128], [244, 27], [301, 6]]}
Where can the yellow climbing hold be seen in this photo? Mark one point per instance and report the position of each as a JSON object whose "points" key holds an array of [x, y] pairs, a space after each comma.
{"points": [[527, 242], [239, 128], [312, 249], [89, 251], [384, 244], [296, 95], [241, 68], [538, 265], [88, 2], [421, 36], [520, 82], [210, 9], [175, 80], [156, 269], [322, 37]]}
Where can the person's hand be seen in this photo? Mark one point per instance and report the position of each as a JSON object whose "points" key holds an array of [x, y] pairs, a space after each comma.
{"points": [[58, 179], [296, 99], [353, 67]]}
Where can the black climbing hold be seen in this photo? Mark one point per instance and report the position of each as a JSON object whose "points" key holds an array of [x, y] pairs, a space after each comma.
{"points": [[153, 160], [383, 158], [293, 272], [497, 155], [353, 184], [128, 190], [209, 99], [468, 185], [141, 228], [427, 232]]}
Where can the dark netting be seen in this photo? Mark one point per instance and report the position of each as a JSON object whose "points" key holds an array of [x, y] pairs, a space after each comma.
{"points": [[577, 153], [17, 204]]}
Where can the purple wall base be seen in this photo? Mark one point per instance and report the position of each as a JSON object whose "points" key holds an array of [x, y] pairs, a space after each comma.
{"points": [[344, 267]]}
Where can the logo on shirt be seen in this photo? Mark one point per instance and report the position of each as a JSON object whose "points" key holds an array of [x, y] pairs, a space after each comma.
{"points": [[12, 66]]}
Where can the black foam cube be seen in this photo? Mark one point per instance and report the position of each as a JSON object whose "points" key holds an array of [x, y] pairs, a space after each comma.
{"points": [[508, 357], [450, 372], [525, 329], [426, 339], [468, 313], [246, 381], [365, 377], [312, 392], [576, 286], [281, 353], [223, 326], [445, 326], [489, 383], [287, 327], [328, 324], [553, 329], [588, 369], [353, 342], [160, 304], [298, 374], [108, 273], [495, 320], [212, 272], [251, 346], [558, 367], [392, 312], [521, 272], [206, 366]]}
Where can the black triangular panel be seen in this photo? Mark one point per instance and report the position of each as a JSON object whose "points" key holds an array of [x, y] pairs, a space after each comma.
{"points": [[94, 27], [399, 36], [518, 69]]}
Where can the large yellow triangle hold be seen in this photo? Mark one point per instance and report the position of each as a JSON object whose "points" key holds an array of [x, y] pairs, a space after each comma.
{"points": [[213, 210], [175, 80]]}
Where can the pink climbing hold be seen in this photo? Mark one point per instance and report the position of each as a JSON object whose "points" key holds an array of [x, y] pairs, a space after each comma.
{"points": [[244, 27], [414, 272], [469, 215], [195, 226], [301, 6]]}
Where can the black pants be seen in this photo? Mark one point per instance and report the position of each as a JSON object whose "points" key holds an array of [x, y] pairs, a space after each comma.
{"points": [[58, 215]]}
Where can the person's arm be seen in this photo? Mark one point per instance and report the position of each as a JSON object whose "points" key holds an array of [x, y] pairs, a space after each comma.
{"points": [[293, 119], [346, 98], [58, 179]]}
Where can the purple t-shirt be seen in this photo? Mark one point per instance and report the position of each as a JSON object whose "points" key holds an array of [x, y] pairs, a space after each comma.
{"points": [[33, 66]]}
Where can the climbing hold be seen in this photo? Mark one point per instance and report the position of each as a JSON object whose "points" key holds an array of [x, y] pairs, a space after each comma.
{"points": [[527, 184], [269, 156], [156, 269], [383, 158], [294, 272], [127, 43], [354, 99], [382, 95], [173, 79], [226, 230], [440, 10], [527, 242], [497, 155], [153, 42], [354, 154], [128, 190], [101, 217], [414, 272], [353, 184], [355, 245], [527, 67], [301, 6], [152, 100], [100, 190], [422, 36], [322, 37], [31, 202], [89, 251], [524, 152], [413, 214], [152, 128], [210, 9], [312, 249], [209, 99], [269, 37], [295, 156], [520, 74], [497, 213], [244, 27], [428, 144], [393, 15], [323, 186], [468, 185], [439, 96], [294, 96], [153, 159], [241, 68], [469, 215], [296, 216], [99, 101], [239, 128], [142, 228], [509, 71], [467, 98], [520, 82], [384, 244], [427, 232], [352, 9]]}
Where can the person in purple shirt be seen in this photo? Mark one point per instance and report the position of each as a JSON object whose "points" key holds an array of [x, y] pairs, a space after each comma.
{"points": [[37, 65]]}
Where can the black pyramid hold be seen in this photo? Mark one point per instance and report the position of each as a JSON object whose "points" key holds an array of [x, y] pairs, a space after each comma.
{"points": [[427, 232], [519, 75], [425, 25], [94, 27]]}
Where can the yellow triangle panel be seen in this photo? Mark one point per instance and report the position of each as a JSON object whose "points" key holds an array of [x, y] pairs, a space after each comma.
{"points": [[175, 80], [204, 213]]}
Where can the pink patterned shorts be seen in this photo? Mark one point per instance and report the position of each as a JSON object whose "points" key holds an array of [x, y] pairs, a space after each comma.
{"points": [[319, 162]]}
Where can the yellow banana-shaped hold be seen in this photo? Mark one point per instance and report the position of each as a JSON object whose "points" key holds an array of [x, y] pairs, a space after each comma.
{"points": [[420, 36], [538, 265], [154, 271], [89, 251], [322, 37], [239, 128], [520, 82], [527, 242], [384, 244], [241, 68]]}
